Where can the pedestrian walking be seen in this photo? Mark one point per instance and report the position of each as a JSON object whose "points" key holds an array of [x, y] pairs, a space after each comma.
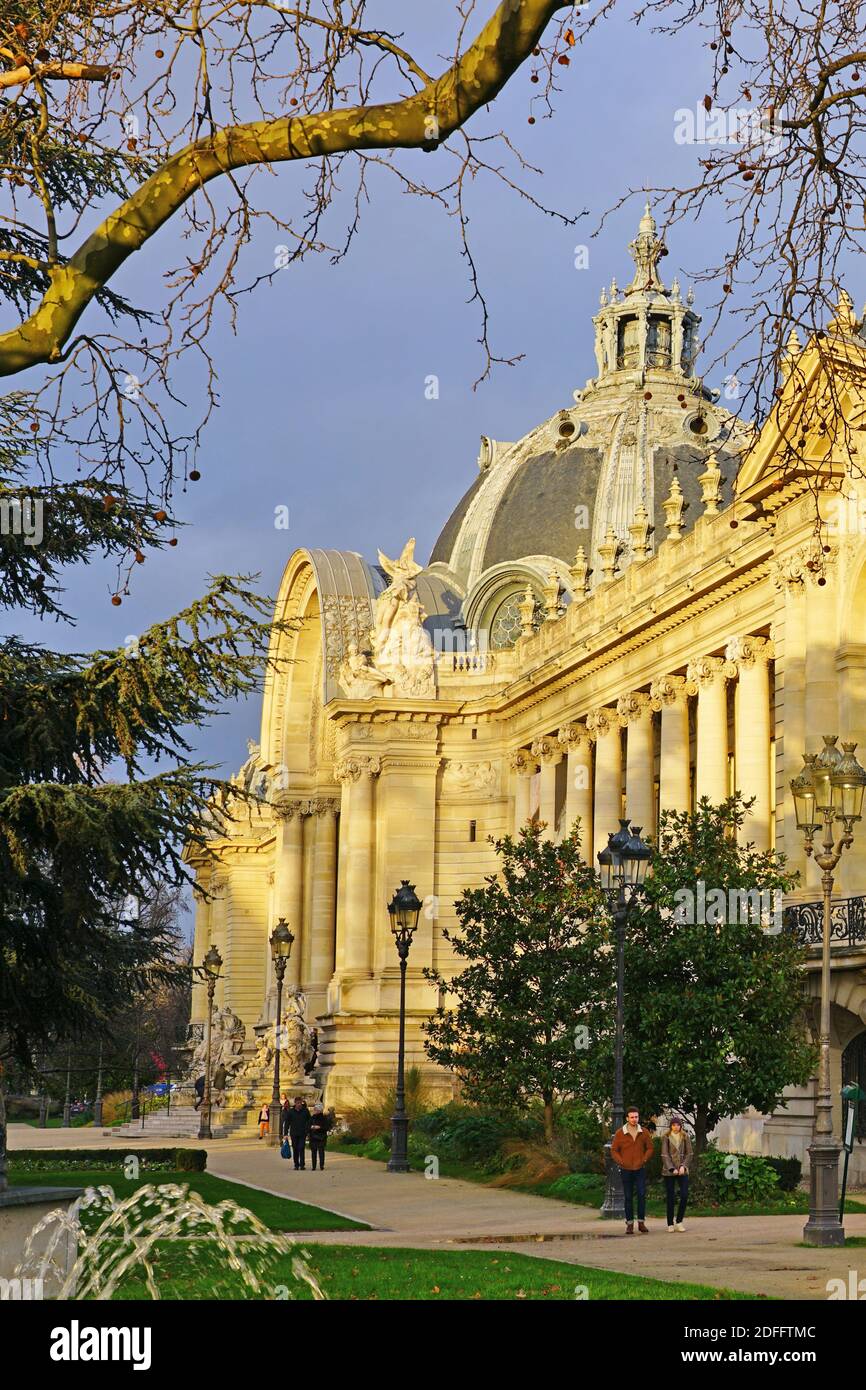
{"points": [[676, 1161], [631, 1149], [320, 1124], [264, 1120], [299, 1128]]}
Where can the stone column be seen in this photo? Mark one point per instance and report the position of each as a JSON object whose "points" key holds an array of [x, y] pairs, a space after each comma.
{"points": [[635, 714], [354, 937], [668, 694], [524, 768], [324, 895], [289, 877], [705, 678], [549, 753], [604, 727], [578, 796], [748, 658]]}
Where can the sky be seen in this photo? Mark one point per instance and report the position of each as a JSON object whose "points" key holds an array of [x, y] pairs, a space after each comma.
{"points": [[323, 404]]}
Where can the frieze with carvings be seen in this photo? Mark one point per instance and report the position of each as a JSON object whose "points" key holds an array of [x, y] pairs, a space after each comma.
{"points": [[469, 777]]}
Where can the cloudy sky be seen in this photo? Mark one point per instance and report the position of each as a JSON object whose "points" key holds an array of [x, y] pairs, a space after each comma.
{"points": [[323, 407]]}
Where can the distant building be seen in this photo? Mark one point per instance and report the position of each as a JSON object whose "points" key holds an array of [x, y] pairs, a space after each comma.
{"points": [[613, 620]]}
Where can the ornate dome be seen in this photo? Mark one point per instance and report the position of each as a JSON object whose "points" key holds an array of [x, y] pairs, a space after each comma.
{"points": [[585, 473]]}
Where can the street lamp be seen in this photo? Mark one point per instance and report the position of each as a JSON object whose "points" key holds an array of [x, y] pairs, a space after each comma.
{"points": [[403, 910], [623, 864], [281, 948], [829, 788], [212, 965]]}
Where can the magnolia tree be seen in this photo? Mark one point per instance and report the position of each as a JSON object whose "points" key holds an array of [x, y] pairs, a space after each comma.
{"points": [[715, 1007], [517, 1020]]}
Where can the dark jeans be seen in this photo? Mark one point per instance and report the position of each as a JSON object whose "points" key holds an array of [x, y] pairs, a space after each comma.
{"points": [[317, 1150], [298, 1141], [634, 1180], [684, 1197]]}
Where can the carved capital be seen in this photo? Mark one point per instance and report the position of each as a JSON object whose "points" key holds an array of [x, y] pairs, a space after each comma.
{"points": [[571, 735], [600, 722], [350, 770], [548, 750], [702, 671], [323, 806], [667, 690], [522, 763], [632, 706], [285, 806], [746, 652], [808, 564]]}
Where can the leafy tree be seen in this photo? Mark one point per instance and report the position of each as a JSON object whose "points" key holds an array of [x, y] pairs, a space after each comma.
{"points": [[713, 1007], [538, 976]]}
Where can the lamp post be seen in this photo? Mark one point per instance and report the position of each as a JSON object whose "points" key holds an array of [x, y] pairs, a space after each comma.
{"points": [[623, 865], [97, 1102], [830, 788], [281, 948], [212, 965], [403, 910], [67, 1103]]}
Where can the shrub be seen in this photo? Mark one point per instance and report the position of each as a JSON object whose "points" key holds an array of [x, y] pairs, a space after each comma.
{"points": [[115, 1107], [372, 1118], [190, 1160], [528, 1165], [730, 1177], [790, 1171], [576, 1187], [100, 1160]]}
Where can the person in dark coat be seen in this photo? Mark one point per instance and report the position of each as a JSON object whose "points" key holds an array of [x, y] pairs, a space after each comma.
{"points": [[320, 1123], [299, 1128], [285, 1107], [199, 1092]]}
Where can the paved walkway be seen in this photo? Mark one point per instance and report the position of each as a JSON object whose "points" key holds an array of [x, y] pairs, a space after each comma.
{"points": [[757, 1254]]}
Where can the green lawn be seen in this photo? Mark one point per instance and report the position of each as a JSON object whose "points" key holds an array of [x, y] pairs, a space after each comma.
{"points": [[278, 1213], [359, 1272]]}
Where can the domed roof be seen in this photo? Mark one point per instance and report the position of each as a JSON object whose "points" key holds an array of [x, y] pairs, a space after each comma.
{"points": [[588, 469]]}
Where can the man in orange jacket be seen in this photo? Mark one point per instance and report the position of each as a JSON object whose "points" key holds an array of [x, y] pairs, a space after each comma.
{"points": [[631, 1149]]}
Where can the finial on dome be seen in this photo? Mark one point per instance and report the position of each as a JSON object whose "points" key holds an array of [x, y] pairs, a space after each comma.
{"points": [[646, 251], [602, 298]]}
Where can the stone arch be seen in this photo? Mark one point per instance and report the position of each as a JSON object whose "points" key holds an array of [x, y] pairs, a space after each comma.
{"points": [[500, 583]]}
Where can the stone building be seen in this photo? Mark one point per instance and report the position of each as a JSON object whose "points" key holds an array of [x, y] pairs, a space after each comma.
{"points": [[622, 614]]}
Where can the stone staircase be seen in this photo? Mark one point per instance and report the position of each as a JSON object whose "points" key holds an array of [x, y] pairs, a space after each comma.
{"points": [[234, 1121]]}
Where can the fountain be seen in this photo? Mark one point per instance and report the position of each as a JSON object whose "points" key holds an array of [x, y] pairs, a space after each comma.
{"points": [[120, 1240]]}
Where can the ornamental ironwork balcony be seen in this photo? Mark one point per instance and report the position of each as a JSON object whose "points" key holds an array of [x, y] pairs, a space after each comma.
{"points": [[847, 922]]}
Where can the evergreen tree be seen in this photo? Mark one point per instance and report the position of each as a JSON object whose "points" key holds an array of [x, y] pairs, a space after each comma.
{"points": [[521, 1016], [714, 995], [96, 799]]}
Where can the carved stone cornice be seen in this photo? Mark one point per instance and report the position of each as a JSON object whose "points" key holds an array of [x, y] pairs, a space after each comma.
{"points": [[547, 749], [571, 735], [667, 690], [600, 722], [350, 770], [632, 706], [702, 671], [747, 652], [521, 762]]}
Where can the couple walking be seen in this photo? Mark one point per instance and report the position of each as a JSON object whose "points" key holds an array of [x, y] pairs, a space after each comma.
{"points": [[632, 1148]]}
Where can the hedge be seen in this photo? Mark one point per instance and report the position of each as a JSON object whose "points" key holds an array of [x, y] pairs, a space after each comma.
{"points": [[54, 1160]]}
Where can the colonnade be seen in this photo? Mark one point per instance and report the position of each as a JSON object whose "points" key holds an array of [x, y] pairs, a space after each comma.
{"points": [[311, 963], [597, 797]]}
